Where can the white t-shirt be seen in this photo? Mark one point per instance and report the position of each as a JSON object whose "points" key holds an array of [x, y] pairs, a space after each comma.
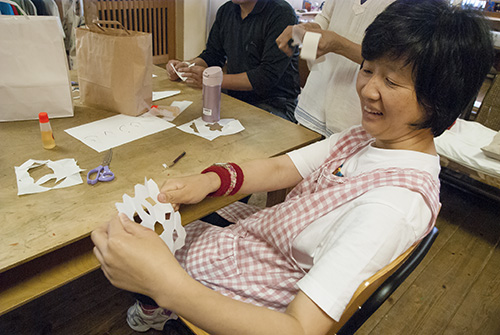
{"points": [[351, 243], [328, 102]]}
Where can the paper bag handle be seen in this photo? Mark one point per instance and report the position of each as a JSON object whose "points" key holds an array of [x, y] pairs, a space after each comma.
{"points": [[98, 23], [12, 3]]}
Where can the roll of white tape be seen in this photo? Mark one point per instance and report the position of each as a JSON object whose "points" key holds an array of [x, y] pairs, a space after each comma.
{"points": [[310, 45]]}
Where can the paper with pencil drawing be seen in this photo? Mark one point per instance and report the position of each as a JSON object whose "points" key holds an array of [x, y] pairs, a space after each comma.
{"points": [[114, 131]]}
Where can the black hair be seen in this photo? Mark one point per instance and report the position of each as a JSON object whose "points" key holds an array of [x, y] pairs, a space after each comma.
{"points": [[450, 51]]}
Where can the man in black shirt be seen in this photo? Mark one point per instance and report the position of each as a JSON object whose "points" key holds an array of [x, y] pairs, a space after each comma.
{"points": [[243, 38]]}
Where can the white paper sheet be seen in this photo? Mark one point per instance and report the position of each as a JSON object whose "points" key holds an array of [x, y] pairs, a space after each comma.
{"points": [[66, 174], [164, 94], [114, 131], [211, 131], [145, 199]]}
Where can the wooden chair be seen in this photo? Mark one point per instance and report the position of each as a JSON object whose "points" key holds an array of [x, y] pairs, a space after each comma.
{"points": [[372, 293]]}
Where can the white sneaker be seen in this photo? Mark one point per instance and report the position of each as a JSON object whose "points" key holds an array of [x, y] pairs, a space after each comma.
{"points": [[141, 320]]}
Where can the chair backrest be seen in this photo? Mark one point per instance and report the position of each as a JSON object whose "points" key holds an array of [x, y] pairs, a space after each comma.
{"points": [[372, 293]]}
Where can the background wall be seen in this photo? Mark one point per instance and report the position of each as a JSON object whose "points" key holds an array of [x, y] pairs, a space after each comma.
{"points": [[193, 21]]}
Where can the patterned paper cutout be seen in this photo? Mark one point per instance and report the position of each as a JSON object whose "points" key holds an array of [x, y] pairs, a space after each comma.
{"points": [[151, 212]]}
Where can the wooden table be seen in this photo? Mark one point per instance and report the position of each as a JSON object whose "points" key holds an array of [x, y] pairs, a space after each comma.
{"points": [[44, 237]]}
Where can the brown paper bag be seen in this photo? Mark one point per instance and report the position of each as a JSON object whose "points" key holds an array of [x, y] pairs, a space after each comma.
{"points": [[114, 68]]}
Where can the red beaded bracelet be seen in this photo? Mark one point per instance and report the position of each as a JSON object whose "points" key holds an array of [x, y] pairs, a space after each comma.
{"points": [[231, 178], [239, 178]]}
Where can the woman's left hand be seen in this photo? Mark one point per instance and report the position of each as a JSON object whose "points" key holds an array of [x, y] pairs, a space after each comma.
{"points": [[134, 258]]}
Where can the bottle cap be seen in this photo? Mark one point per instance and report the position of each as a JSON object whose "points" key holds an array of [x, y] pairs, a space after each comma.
{"points": [[212, 76], [43, 117]]}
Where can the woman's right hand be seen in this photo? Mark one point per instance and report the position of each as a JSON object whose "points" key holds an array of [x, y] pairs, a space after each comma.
{"points": [[189, 189]]}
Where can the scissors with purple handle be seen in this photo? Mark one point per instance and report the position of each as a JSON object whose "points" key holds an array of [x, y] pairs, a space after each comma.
{"points": [[102, 172]]}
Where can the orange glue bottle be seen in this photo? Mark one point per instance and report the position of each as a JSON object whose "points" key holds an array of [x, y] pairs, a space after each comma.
{"points": [[46, 130]]}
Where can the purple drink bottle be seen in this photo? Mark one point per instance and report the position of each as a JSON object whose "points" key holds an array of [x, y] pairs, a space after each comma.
{"points": [[212, 81]]}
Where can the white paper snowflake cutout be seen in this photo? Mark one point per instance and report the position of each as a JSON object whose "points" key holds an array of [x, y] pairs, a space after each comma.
{"points": [[146, 206]]}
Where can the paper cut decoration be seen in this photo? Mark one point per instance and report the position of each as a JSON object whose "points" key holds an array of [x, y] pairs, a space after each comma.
{"points": [[66, 174], [114, 131], [168, 113], [164, 94], [211, 131], [145, 207]]}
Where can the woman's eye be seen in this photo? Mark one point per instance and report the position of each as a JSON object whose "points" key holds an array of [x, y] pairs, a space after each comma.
{"points": [[390, 82]]}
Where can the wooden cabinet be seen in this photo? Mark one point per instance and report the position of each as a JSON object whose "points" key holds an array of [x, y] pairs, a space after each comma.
{"points": [[152, 16]]}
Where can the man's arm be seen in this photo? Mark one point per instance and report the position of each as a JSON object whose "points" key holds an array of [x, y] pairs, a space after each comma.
{"points": [[330, 41]]}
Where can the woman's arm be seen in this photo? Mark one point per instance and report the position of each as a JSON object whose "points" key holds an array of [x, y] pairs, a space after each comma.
{"points": [[134, 258], [261, 175]]}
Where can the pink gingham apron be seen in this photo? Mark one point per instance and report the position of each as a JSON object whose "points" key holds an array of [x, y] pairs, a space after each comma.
{"points": [[252, 260]]}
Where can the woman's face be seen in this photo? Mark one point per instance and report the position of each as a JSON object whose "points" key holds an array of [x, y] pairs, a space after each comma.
{"points": [[389, 104]]}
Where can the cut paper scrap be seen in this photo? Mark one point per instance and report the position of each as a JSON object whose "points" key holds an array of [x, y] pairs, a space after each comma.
{"points": [[164, 94], [211, 131], [66, 174], [116, 130], [144, 207], [168, 113]]}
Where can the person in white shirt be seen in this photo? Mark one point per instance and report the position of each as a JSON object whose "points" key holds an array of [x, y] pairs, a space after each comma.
{"points": [[328, 102], [360, 197]]}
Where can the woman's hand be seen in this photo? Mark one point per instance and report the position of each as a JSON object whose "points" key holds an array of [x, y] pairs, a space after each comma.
{"points": [[134, 258], [188, 190]]}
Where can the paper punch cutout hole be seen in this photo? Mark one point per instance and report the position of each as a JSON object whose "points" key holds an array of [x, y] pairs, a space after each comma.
{"points": [[159, 217]]}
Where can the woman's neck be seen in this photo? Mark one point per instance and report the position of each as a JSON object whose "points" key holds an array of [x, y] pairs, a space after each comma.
{"points": [[421, 141]]}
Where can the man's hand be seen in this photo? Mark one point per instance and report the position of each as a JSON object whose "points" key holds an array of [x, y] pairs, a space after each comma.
{"points": [[170, 71], [193, 74]]}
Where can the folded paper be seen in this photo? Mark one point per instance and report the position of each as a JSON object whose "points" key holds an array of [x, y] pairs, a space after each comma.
{"points": [[150, 212], [164, 94]]}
